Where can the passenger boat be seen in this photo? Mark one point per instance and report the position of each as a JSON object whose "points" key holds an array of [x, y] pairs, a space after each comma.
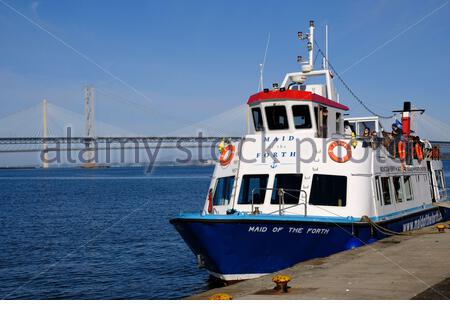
{"points": [[307, 183]]}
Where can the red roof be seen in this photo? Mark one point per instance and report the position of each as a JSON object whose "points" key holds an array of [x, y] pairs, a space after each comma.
{"points": [[293, 95]]}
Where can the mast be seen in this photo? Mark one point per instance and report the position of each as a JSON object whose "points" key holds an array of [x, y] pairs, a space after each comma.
{"points": [[311, 44]]}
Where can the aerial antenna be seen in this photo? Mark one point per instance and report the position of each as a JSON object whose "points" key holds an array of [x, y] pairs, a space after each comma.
{"points": [[262, 65]]}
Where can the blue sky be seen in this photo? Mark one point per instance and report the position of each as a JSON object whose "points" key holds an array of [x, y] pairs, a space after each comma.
{"points": [[196, 59]]}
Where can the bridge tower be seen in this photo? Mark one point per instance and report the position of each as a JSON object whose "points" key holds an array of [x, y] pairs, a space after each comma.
{"points": [[45, 133], [89, 154]]}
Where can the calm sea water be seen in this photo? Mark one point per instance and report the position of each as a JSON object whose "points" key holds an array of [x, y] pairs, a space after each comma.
{"points": [[99, 234]]}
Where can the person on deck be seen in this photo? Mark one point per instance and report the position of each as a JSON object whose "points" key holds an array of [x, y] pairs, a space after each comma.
{"points": [[397, 135], [374, 141], [366, 137], [366, 133], [348, 130]]}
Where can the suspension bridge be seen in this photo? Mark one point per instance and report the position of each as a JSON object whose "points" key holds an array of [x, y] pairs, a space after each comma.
{"points": [[47, 128], [50, 128]]}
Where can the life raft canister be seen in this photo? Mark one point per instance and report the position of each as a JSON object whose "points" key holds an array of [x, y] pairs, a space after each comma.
{"points": [[226, 155], [419, 152], [401, 150], [343, 144]]}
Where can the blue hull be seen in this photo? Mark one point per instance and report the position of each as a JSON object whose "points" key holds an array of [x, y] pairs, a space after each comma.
{"points": [[235, 247]]}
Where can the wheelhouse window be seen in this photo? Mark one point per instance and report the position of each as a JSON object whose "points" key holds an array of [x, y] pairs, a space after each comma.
{"points": [[398, 190], [302, 117], [222, 193], [277, 118], [291, 185], [253, 186], [408, 188], [257, 119], [338, 122], [328, 190], [386, 190], [321, 115]]}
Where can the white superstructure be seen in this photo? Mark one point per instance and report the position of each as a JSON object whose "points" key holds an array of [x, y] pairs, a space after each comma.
{"points": [[298, 143]]}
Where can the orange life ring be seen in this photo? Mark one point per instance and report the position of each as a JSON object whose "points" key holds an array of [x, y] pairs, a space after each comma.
{"points": [[419, 152], [401, 150], [227, 155], [343, 144]]}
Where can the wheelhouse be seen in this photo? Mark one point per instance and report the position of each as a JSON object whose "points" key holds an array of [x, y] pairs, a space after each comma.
{"points": [[284, 111]]}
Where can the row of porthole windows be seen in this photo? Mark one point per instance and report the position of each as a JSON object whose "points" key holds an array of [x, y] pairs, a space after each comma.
{"points": [[326, 190]]}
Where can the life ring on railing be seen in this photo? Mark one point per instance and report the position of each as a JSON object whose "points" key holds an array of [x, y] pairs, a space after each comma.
{"points": [[419, 152], [227, 155], [401, 150], [343, 144]]}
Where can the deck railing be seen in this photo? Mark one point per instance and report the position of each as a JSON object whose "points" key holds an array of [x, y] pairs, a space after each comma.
{"points": [[281, 192]]}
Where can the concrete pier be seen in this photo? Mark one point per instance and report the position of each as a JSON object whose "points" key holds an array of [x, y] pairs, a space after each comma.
{"points": [[398, 267]]}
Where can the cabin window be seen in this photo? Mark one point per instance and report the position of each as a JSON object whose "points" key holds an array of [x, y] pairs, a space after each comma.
{"points": [[442, 179], [398, 190], [321, 114], [338, 122], [377, 187], [439, 179], [328, 190], [291, 184], [277, 118], [316, 117], [253, 184], [408, 187], [257, 119], [386, 190], [362, 125], [222, 194], [302, 117]]}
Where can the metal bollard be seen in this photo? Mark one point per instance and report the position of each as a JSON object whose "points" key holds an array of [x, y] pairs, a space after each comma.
{"points": [[281, 282], [221, 296]]}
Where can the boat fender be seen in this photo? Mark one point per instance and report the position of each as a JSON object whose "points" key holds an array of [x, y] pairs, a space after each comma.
{"points": [[343, 144], [401, 150], [227, 155]]}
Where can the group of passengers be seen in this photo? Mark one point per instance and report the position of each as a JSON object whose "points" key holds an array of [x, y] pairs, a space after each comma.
{"points": [[388, 139], [369, 138]]}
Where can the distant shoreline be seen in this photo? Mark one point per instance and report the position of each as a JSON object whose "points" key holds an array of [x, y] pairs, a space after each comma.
{"points": [[108, 166]]}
